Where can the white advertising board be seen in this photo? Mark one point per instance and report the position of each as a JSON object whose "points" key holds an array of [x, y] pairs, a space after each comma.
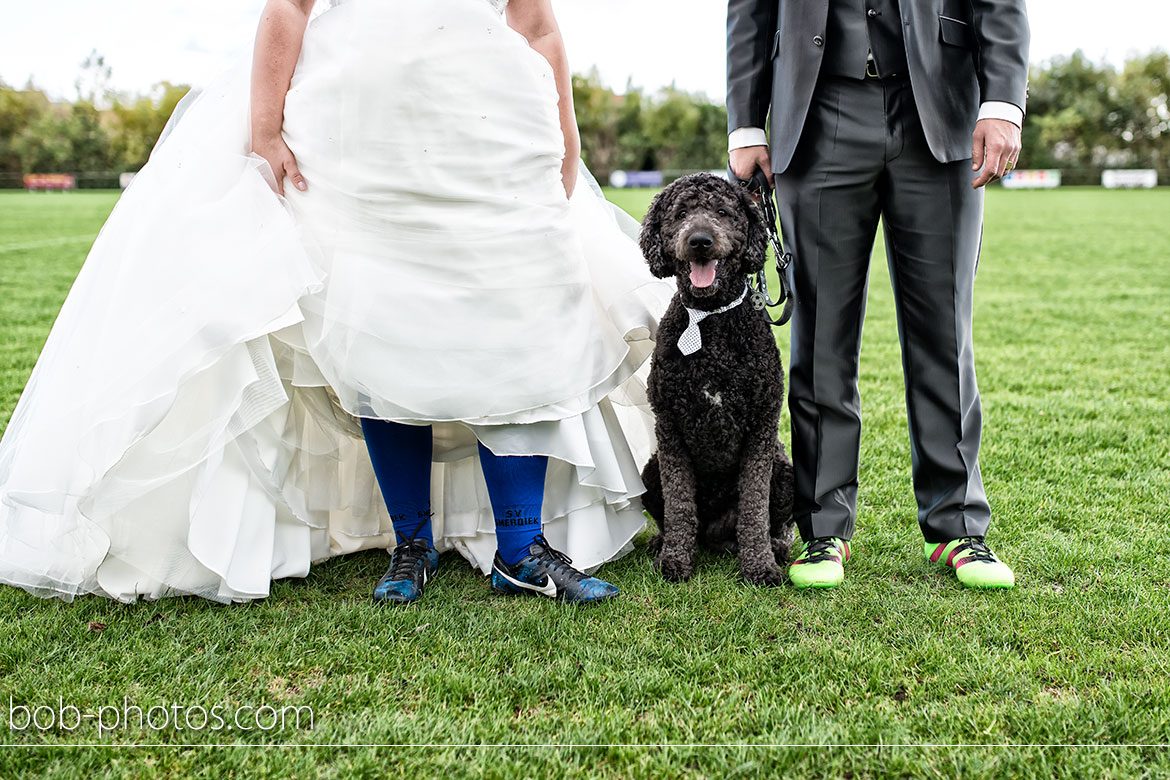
{"points": [[1130, 177]]}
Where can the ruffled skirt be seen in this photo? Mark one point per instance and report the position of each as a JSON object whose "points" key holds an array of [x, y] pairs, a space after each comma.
{"points": [[190, 427]]}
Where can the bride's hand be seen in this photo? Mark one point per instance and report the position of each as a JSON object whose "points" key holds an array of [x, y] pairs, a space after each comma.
{"points": [[280, 158]]}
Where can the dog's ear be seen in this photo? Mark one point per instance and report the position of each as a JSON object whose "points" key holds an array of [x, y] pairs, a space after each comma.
{"points": [[660, 260], [755, 248]]}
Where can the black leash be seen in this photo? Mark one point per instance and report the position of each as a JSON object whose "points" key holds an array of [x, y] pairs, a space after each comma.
{"points": [[761, 296]]}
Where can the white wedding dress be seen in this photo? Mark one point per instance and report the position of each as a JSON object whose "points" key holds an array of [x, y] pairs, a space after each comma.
{"points": [[190, 425]]}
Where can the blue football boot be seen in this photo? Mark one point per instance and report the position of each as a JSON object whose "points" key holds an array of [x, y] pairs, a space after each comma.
{"points": [[547, 572], [411, 564]]}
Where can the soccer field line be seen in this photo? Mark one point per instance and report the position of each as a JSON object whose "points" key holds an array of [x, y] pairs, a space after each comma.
{"points": [[60, 241]]}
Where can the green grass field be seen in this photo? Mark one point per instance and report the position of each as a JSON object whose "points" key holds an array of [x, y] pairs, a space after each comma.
{"points": [[1072, 348]]}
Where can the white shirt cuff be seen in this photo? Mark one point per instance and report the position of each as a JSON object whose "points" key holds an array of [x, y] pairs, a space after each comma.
{"points": [[748, 136], [997, 109]]}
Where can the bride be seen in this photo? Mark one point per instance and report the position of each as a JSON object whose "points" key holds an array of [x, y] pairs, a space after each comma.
{"points": [[428, 340]]}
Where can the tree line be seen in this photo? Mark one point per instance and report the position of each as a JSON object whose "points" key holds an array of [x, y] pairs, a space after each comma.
{"points": [[97, 136], [1082, 117]]}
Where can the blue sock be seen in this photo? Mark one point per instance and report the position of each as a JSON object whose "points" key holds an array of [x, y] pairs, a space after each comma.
{"points": [[516, 487], [401, 455]]}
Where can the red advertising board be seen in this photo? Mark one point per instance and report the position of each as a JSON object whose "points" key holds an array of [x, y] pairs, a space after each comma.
{"points": [[49, 181]]}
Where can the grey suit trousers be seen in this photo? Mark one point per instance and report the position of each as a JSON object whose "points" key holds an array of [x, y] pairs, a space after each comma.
{"points": [[863, 155]]}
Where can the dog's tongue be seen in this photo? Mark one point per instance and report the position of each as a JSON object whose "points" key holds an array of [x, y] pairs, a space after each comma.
{"points": [[703, 275]]}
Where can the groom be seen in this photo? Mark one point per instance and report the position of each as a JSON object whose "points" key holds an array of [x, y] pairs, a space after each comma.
{"points": [[881, 108]]}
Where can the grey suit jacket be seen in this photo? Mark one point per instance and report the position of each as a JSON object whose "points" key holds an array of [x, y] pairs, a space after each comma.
{"points": [[960, 53]]}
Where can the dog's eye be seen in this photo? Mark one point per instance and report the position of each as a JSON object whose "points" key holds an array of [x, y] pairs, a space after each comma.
{"points": [[722, 212], [682, 213]]}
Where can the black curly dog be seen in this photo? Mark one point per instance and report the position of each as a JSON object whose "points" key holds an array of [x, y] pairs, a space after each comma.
{"points": [[720, 476]]}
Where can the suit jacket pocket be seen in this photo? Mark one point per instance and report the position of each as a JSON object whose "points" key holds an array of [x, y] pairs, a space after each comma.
{"points": [[956, 33]]}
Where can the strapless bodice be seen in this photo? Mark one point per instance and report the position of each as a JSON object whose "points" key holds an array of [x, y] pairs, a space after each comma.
{"points": [[499, 5]]}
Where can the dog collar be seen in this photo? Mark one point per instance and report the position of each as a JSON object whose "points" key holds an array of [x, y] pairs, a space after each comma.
{"points": [[691, 340]]}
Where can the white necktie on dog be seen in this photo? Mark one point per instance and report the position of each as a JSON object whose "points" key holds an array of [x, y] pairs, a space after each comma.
{"points": [[691, 340]]}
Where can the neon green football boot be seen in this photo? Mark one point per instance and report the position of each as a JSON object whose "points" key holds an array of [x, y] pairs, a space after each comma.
{"points": [[821, 563], [973, 561]]}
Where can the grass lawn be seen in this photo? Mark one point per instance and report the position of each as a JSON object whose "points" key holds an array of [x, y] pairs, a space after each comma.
{"points": [[1072, 348]]}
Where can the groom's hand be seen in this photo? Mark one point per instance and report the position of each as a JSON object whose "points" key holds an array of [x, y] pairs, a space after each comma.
{"points": [[745, 160], [995, 147]]}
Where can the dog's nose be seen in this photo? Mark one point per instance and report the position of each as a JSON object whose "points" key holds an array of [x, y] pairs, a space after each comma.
{"points": [[700, 240]]}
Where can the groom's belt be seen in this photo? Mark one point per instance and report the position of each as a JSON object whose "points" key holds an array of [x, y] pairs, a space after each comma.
{"points": [[891, 79]]}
